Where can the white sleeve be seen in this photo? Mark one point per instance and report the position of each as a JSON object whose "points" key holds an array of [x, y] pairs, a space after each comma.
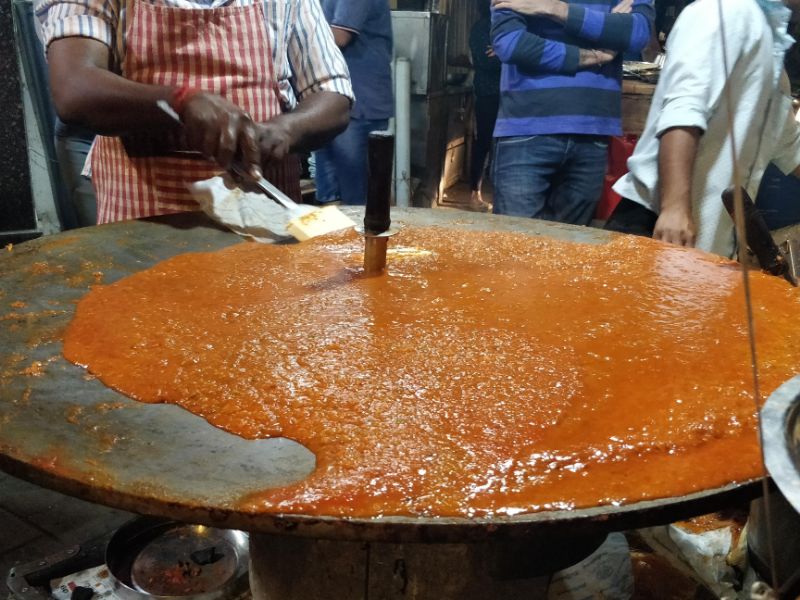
{"points": [[316, 62], [694, 73]]}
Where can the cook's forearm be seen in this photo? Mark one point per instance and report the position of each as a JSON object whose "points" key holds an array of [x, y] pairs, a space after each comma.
{"points": [[318, 118], [342, 37], [86, 93], [676, 156]]}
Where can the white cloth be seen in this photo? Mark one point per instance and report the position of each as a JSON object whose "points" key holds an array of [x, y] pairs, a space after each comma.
{"points": [[691, 93]]}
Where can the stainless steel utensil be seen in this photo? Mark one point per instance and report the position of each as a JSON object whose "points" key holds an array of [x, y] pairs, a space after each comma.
{"points": [[158, 559]]}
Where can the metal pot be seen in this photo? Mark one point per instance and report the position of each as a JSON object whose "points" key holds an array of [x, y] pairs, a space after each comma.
{"points": [[780, 427], [157, 559]]}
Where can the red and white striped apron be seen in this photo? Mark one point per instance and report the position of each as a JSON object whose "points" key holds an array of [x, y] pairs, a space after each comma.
{"points": [[221, 50]]}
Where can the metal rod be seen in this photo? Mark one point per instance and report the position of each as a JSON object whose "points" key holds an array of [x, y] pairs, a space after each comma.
{"points": [[375, 255], [741, 234], [402, 74]]}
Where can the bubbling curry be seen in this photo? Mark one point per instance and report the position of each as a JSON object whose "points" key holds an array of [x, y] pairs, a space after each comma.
{"points": [[485, 374]]}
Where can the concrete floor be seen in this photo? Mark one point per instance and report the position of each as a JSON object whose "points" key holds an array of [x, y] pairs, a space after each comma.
{"points": [[458, 196], [36, 522]]}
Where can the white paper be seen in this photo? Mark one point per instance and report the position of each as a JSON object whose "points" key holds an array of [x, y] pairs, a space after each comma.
{"points": [[707, 554], [251, 214], [96, 578], [607, 573]]}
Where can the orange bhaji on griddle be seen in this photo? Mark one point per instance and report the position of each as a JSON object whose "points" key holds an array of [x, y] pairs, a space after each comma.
{"points": [[486, 374]]}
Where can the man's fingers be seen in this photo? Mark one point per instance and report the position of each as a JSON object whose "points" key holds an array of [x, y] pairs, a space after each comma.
{"points": [[666, 236], [273, 150], [249, 148], [670, 236], [210, 143], [623, 7], [678, 237], [226, 148]]}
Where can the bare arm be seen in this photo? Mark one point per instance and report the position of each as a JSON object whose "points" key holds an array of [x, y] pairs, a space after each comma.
{"points": [[86, 93], [342, 37], [676, 155], [317, 119]]}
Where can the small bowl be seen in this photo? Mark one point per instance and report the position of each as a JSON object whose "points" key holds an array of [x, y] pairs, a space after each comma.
{"points": [[157, 559]]}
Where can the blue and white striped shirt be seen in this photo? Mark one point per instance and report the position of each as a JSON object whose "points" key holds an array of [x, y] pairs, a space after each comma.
{"points": [[305, 56], [543, 89]]}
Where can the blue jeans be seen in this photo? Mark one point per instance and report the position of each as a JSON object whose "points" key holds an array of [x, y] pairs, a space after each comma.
{"points": [[550, 177], [341, 166]]}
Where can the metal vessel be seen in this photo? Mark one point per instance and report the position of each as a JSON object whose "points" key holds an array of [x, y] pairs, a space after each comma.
{"points": [[158, 559], [780, 427]]}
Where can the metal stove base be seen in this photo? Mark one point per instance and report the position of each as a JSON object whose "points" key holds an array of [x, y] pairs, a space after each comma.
{"points": [[31, 581], [294, 568]]}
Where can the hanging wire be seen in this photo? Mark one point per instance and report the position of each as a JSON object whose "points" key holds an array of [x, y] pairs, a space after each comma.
{"points": [[738, 202]]}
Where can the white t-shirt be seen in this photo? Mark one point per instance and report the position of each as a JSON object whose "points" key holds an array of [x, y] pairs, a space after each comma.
{"points": [[691, 93]]}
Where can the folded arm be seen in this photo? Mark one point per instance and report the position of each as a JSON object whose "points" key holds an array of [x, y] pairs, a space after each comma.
{"points": [[514, 44], [620, 30]]}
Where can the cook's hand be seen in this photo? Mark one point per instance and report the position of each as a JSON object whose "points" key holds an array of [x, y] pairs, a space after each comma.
{"points": [[221, 131], [675, 226], [275, 140], [491, 54], [625, 7], [528, 7]]}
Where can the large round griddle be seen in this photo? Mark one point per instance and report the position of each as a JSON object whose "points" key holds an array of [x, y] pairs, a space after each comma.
{"points": [[63, 430]]}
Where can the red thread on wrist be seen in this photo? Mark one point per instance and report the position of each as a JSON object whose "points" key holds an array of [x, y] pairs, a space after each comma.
{"points": [[181, 97]]}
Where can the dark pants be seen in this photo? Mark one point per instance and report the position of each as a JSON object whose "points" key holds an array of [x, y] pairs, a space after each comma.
{"points": [[486, 108], [550, 177], [631, 217], [72, 145]]}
